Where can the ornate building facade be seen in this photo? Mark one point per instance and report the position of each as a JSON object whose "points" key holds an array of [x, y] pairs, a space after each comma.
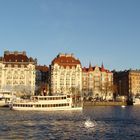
{"points": [[97, 82], [127, 82], [66, 74], [17, 72]]}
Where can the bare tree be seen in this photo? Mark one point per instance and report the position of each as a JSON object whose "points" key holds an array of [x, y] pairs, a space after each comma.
{"points": [[107, 88], [22, 90]]}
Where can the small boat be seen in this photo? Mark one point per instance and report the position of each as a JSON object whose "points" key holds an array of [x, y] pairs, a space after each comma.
{"points": [[46, 103], [6, 97], [136, 100]]}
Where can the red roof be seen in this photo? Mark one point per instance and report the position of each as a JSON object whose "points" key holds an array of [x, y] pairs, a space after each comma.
{"points": [[88, 69], [16, 57], [102, 69], [85, 69], [66, 60], [42, 68]]}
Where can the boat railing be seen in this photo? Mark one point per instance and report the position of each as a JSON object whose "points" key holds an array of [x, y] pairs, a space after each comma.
{"points": [[25, 101]]}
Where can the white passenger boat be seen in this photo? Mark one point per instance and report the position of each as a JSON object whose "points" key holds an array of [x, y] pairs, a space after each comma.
{"points": [[47, 103], [6, 97]]}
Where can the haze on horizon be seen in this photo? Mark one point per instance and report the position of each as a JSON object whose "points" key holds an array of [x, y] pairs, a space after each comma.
{"points": [[95, 31]]}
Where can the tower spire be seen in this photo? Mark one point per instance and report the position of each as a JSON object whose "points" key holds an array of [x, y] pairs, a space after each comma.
{"points": [[102, 66], [90, 65]]}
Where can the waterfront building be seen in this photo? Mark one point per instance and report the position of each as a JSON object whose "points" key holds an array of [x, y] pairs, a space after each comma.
{"points": [[66, 74], [97, 82], [42, 80], [17, 72], [127, 82]]}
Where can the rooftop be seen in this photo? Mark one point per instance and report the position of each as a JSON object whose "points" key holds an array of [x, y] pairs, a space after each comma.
{"points": [[66, 60]]}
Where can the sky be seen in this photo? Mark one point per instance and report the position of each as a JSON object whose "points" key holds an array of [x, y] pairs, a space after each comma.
{"points": [[95, 31]]}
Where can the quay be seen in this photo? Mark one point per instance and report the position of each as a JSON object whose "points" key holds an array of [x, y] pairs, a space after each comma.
{"points": [[89, 103]]}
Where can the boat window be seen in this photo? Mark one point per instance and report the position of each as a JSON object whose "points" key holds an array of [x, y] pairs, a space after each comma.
{"points": [[63, 97], [44, 105], [37, 105]]}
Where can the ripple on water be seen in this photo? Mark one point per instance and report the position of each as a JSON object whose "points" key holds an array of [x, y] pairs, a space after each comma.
{"points": [[111, 123]]}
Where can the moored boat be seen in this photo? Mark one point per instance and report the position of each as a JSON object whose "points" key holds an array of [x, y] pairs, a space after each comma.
{"points": [[6, 97], [136, 100], [47, 103]]}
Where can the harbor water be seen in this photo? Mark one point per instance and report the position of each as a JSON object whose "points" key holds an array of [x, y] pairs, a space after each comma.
{"points": [[93, 123]]}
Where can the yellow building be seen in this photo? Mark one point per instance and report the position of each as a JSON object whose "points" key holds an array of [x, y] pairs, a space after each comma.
{"points": [[97, 82], [66, 74], [17, 72]]}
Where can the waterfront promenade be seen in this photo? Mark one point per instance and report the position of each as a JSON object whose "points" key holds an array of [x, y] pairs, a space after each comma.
{"points": [[89, 103]]}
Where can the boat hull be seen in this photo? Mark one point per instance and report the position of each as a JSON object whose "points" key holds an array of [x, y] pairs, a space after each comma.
{"points": [[45, 109], [136, 102], [3, 104]]}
